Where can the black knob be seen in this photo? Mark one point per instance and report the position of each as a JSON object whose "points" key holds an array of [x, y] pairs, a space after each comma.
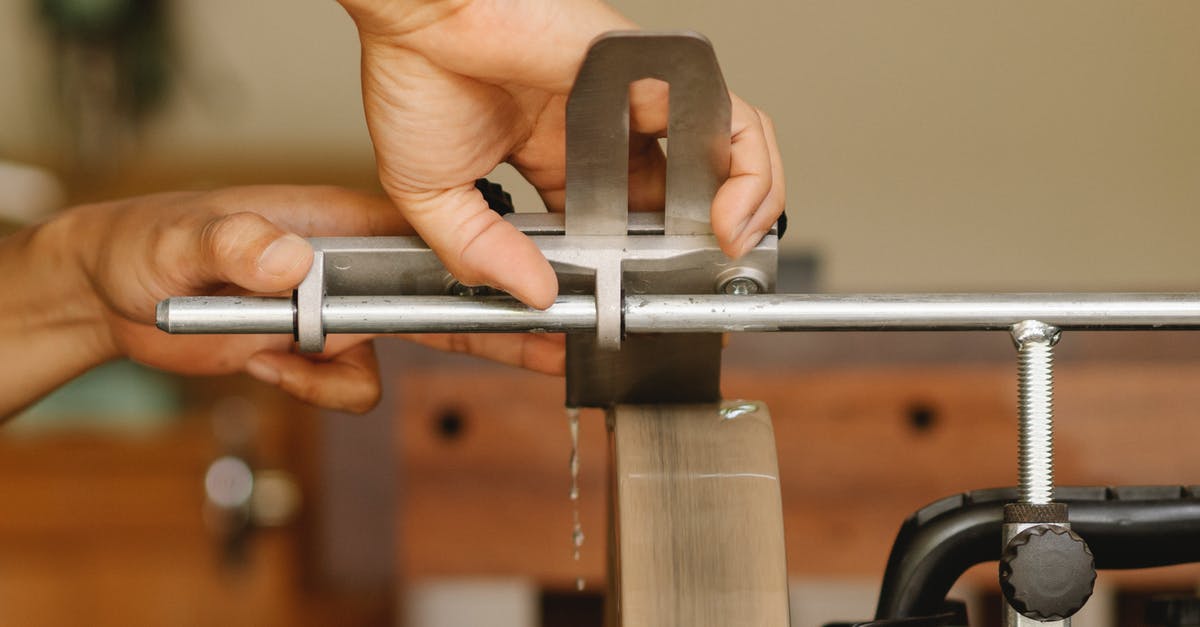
{"points": [[1047, 572], [497, 199]]}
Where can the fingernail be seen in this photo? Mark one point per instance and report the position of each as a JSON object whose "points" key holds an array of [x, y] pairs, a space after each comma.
{"points": [[262, 371], [283, 255], [752, 241]]}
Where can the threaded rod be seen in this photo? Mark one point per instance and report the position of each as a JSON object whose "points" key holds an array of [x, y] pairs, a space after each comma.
{"points": [[1035, 392]]}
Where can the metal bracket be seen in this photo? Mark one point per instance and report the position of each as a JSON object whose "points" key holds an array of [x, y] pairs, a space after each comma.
{"points": [[405, 266], [698, 128], [597, 191], [601, 370]]}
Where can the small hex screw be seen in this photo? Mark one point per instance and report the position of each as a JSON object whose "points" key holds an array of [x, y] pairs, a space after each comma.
{"points": [[741, 286], [457, 288]]}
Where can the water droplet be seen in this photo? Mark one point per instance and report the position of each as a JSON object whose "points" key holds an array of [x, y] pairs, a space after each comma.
{"points": [[577, 539], [737, 409], [573, 425], [573, 494]]}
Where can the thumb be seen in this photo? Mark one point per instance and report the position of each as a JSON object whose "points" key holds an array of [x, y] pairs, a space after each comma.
{"points": [[247, 250], [478, 246]]}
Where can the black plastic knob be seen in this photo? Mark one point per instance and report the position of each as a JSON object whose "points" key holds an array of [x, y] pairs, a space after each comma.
{"points": [[497, 199], [1047, 572]]}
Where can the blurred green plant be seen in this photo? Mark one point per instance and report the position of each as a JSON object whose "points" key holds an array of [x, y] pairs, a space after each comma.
{"points": [[134, 32], [118, 396]]}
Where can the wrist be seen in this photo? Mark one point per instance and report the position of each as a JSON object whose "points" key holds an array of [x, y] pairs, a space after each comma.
{"points": [[52, 327], [62, 250]]}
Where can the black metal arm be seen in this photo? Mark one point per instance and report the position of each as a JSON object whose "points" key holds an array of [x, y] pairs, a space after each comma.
{"points": [[1126, 527]]}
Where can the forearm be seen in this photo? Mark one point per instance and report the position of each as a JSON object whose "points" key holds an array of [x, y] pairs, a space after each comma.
{"points": [[51, 322]]}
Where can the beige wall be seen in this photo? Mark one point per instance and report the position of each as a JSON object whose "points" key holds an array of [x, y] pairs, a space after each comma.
{"points": [[988, 145], [269, 79], [273, 76], [23, 67], [930, 145]]}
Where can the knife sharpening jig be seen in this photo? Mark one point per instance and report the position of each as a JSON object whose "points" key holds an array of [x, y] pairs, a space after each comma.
{"points": [[695, 528]]}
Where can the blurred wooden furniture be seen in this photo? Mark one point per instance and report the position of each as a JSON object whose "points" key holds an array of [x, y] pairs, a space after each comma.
{"points": [[103, 528], [860, 448]]}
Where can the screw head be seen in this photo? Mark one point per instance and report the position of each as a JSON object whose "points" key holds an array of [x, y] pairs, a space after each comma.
{"points": [[1034, 331], [741, 286]]}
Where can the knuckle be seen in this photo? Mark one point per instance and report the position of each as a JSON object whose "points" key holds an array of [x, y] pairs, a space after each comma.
{"points": [[164, 244], [475, 230], [169, 252], [762, 185], [223, 238]]}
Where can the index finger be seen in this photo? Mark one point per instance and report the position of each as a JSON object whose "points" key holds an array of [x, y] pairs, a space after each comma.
{"points": [[751, 199], [477, 246]]}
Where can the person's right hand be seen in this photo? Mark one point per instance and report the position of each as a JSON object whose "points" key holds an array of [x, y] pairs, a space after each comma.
{"points": [[452, 88]]}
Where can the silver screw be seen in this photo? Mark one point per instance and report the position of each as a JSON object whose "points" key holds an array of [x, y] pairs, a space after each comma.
{"points": [[741, 286], [1035, 391]]}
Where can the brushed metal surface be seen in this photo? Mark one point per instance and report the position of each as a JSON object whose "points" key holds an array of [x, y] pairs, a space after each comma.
{"points": [[699, 518], [598, 131]]}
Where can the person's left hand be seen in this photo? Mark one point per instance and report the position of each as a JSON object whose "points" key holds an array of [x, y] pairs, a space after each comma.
{"points": [[249, 240]]}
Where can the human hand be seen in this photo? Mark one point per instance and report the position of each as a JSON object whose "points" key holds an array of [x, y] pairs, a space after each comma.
{"points": [[452, 88], [239, 241]]}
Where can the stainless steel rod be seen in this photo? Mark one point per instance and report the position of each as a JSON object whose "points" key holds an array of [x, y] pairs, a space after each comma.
{"points": [[226, 314], [909, 312], [693, 314], [451, 314]]}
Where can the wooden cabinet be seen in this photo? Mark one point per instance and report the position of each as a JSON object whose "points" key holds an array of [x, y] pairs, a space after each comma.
{"points": [[860, 448], [109, 529]]}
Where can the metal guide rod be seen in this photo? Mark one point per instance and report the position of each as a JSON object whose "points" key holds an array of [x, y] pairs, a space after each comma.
{"points": [[692, 314]]}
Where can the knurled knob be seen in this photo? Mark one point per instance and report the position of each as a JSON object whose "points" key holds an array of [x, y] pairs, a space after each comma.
{"points": [[1047, 572]]}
